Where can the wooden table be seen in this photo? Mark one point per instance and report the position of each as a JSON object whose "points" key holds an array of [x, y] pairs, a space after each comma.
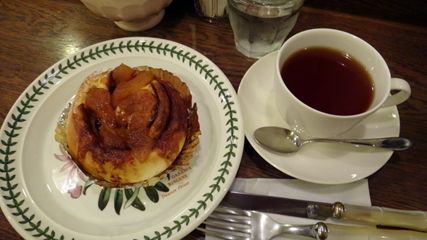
{"points": [[34, 34]]}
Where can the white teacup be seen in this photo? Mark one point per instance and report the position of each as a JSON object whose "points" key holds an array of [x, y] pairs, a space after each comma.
{"points": [[312, 122]]}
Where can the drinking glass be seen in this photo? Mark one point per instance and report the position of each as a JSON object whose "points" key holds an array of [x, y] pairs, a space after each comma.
{"points": [[261, 26]]}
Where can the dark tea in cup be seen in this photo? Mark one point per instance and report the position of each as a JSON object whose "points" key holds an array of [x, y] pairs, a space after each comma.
{"points": [[324, 82], [328, 80]]}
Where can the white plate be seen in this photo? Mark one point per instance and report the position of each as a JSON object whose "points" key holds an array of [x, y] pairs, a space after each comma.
{"points": [[318, 162], [32, 179]]}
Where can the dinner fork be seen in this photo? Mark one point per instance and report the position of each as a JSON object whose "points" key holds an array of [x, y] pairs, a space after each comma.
{"points": [[238, 224]]}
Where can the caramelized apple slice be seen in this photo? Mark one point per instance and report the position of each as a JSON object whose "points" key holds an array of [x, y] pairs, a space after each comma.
{"points": [[163, 110], [98, 100], [121, 74], [125, 89]]}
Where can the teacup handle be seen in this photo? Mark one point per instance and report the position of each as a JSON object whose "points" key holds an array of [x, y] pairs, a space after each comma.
{"points": [[404, 91]]}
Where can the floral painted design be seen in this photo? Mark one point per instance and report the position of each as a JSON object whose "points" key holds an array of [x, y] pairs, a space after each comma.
{"points": [[72, 184]]}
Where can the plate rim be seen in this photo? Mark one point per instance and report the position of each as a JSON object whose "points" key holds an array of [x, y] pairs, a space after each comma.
{"points": [[15, 125]]}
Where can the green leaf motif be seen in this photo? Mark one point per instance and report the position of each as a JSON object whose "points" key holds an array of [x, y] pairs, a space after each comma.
{"points": [[10, 134], [128, 46], [97, 52], [34, 226], [121, 47], [194, 212], [41, 232], [92, 55], [231, 145], [104, 198], [208, 196], [186, 219], [215, 187], [118, 200], [158, 48], [232, 129], [230, 154], [224, 170], [13, 126], [226, 164], [136, 203], [105, 50], [9, 143], [178, 225], [158, 235], [152, 193], [27, 219], [83, 57], [69, 64], [202, 204], [231, 112], [220, 179], [161, 187], [87, 185], [131, 196], [20, 211], [168, 232]]}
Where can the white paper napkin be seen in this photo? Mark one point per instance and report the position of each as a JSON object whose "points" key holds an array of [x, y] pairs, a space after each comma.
{"points": [[353, 193]]}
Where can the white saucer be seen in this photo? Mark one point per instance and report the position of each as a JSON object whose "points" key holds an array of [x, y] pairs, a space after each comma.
{"points": [[316, 162]]}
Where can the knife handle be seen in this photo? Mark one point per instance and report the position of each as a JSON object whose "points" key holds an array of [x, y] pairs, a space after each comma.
{"points": [[416, 220], [338, 232]]}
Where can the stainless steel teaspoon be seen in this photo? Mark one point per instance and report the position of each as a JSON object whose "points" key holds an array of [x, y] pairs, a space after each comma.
{"points": [[287, 141]]}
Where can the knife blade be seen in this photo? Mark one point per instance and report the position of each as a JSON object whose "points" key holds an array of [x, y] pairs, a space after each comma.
{"points": [[409, 219], [284, 206]]}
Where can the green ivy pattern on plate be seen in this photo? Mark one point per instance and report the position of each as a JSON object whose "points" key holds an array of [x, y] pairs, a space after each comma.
{"points": [[15, 201], [131, 194]]}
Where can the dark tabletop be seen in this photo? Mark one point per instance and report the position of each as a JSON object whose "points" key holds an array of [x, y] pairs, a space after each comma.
{"points": [[35, 34]]}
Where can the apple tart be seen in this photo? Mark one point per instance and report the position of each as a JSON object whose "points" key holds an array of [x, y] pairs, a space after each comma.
{"points": [[129, 125]]}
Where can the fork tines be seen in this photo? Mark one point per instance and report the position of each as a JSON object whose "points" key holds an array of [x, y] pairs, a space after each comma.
{"points": [[228, 223]]}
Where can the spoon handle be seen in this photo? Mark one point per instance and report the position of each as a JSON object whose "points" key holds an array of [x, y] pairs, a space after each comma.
{"points": [[392, 143]]}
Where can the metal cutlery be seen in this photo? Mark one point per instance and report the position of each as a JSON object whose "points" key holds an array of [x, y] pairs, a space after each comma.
{"points": [[416, 220], [237, 224], [287, 141]]}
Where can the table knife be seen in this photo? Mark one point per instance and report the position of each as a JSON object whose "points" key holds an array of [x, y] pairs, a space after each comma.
{"points": [[416, 220]]}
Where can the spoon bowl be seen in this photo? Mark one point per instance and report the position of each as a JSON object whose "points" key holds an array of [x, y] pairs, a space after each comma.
{"points": [[284, 140]]}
